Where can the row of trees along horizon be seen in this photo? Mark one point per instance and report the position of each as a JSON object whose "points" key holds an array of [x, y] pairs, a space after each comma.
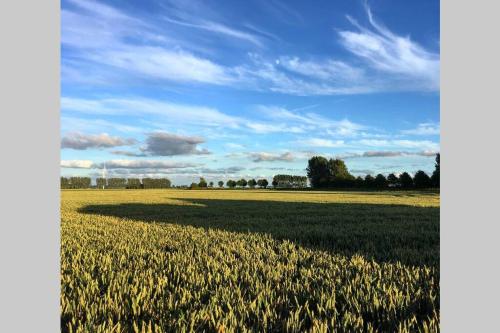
{"points": [[321, 173]]}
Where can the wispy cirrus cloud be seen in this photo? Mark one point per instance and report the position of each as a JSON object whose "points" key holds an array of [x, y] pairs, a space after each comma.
{"points": [[179, 113], [423, 129], [323, 143], [219, 28], [101, 37], [306, 122], [383, 50]]}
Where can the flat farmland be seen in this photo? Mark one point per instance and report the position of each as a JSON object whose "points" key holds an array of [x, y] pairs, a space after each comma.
{"points": [[249, 260]]}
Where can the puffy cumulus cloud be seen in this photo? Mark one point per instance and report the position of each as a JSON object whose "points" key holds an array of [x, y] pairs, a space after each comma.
{"points": [[269, 157], [77, 164], [81, 141], [166, 144]]}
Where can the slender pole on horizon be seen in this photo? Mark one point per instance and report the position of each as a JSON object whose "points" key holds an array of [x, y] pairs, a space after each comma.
{"points": [[104, 174]]}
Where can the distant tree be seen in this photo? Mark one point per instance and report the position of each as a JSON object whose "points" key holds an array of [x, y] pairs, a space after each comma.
{"points": [[435, 175], [194, 186], [252, 183], [211, 184], [392, 180], [369, 181], [274, 183], [318, 171], [242, 182], [79, 182], [359, 182], [422, 180], [290, 181], [202, 183], [101, 183], [380, 181], [64, 182], [405, 180], [231, 183], [156, 183], [339, 176], [134, 183], [221, 183], [262, 183], [117, 182], [338, 169]]}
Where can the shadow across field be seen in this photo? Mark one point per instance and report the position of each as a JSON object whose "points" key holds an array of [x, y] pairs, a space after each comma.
{"points": [[386, 233]]}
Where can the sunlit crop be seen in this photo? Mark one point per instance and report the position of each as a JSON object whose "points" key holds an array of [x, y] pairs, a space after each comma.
{"points": [[241, 261]]}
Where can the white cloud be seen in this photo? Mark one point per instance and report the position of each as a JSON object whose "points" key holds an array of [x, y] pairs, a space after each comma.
{"points": [[102, 37], [177, 113], [142, 164], [167, 144], [77, 164], [424, 129], [387, 52], [270, 157], [318, 142], [220, 29], [234, 145], [307, 122], [412, 144], [126, 164], [332, 70], [161, 63], [273, 128], [81, 141], [368, 154]]}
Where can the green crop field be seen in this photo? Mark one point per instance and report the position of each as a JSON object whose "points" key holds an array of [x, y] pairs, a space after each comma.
{"points": [[249, 260]]}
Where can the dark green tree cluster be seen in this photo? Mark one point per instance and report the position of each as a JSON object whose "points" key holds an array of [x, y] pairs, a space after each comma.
{"points": [[117, 182], [435, 175], [262, 183], [289, 181], [323, 173], [203, 183], [75, 182], [134, 183], [231, 183], [252, 183], [333, 173], [156, 183], [242, 183]]}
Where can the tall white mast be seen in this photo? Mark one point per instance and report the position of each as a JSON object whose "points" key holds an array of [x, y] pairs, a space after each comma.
{"points": [[104, 174]]}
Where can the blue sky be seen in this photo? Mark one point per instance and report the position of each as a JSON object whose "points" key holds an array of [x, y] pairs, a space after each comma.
{"points": [[224, 90]]}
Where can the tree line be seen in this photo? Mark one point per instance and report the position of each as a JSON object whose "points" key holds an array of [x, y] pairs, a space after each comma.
{"points": [[333, 173], [130, 183], [321, 173], [279, 181], [241, 183]]}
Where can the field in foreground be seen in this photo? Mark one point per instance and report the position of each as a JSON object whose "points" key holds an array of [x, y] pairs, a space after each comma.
{"points": [[178, 260]]}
